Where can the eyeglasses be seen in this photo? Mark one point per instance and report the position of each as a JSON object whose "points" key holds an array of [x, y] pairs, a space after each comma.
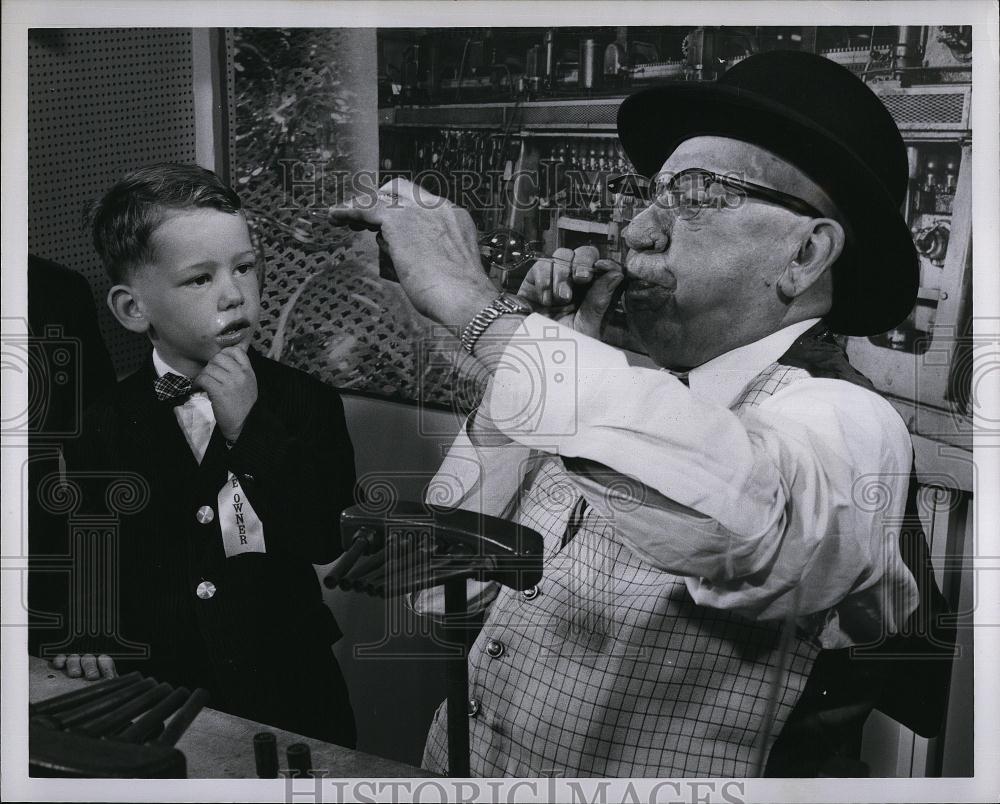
{"points": [[695, 189]]}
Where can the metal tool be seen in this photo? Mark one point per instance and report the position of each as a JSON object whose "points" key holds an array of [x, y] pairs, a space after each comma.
{"points": [[415, 547], [116, 728]]}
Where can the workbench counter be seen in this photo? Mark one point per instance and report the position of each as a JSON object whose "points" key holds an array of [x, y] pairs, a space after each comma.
{"points": [[220, 746]]}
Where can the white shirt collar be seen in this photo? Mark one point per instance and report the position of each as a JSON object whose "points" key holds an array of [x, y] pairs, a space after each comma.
{"points": [[162, 367], [723, 377]]}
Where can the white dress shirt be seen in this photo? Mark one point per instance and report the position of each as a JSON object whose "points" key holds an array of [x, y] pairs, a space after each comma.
{"points": [[786, 508], [195, 415], [241, 528]]}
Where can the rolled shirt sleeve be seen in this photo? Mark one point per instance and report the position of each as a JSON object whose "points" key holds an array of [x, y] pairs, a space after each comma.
{"points": [[789, 507]]}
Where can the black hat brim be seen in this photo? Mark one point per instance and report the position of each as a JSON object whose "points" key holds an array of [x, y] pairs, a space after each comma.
{"points": [[877, 276]]}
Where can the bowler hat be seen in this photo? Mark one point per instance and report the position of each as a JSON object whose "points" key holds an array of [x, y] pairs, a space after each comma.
{"points": [[821, 118]]}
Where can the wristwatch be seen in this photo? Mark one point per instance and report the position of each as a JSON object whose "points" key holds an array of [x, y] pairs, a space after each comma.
{"points": [[490, 313]]}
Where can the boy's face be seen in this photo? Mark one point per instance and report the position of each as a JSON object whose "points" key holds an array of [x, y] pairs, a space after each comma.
{"points": [[201, 294]]}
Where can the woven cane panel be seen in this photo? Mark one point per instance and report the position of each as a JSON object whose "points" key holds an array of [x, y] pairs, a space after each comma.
{"points": [[298, 99], [100, 103]]}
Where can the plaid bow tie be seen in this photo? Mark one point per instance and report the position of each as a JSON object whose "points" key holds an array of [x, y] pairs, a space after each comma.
{"points": [[172, 388]]}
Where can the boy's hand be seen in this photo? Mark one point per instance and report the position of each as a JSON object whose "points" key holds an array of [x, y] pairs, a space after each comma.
{"points": [[90, 667], [230, 383]]}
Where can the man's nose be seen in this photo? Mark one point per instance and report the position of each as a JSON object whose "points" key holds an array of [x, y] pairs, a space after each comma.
{"points": [[649, 230]]}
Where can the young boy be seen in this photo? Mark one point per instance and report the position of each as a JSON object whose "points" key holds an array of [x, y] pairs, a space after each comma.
{"points": [[248, 465]]}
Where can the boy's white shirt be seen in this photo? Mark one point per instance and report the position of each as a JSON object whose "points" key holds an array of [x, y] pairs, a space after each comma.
{"points": [[195, 416], [242, 530]]}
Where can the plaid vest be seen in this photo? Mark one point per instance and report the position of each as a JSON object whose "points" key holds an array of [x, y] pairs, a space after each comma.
{"points": [[609, 668]]}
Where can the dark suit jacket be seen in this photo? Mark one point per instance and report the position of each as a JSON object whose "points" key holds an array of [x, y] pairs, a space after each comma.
{"points": [[262, 643]]}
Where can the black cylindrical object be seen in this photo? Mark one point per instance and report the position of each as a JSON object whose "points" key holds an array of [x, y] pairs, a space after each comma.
{"points": [[120, 718], [174, 730], [76, 718], [299, 759], [150, 725], [71, 700], [265, 755]]}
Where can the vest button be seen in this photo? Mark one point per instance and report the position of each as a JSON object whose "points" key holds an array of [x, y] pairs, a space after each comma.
{"points": [[473, 707], [495, 648], [205, 514], [205, 590], [530, 593]]}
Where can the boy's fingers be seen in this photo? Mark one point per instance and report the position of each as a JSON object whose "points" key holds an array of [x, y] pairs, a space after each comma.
{"points": [[213, 372], [241, 358], [59, 662], [206, 382], [73, 666], [88, 664], [224, 360], [107, 666]]}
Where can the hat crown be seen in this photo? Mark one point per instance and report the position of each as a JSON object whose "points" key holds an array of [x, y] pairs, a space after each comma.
{"points": [[830, 97]]}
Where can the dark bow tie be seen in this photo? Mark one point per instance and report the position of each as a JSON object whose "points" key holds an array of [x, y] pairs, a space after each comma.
{"points": [[172, 388]]}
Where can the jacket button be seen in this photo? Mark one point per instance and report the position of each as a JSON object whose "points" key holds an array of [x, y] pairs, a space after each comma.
{"points": [[473, 707], [205, 590], [530, 593], [205, 514], [495, 648]]}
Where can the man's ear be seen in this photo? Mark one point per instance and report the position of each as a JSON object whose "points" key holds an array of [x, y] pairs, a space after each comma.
{"points": [[127, 309], [821, 244]]}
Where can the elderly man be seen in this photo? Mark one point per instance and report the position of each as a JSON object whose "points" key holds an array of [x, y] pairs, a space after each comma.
{"points": [[709, 529]]}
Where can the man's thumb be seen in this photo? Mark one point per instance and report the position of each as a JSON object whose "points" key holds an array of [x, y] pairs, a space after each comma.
{"points": [[596, 303]]}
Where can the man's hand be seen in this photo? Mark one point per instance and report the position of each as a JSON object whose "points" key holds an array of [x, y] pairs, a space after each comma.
{"points": [[552, 283], [230, 383], [90, 667], [433, 247]]}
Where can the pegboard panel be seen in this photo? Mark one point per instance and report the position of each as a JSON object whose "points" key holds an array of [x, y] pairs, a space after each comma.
{"points": [[100, 104]]}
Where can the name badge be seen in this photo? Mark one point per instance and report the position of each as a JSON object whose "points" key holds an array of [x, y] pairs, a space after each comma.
{"points": [[242, 530]]}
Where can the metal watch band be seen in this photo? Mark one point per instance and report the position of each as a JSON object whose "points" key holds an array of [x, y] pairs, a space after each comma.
{"points": [[490, 313]]}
